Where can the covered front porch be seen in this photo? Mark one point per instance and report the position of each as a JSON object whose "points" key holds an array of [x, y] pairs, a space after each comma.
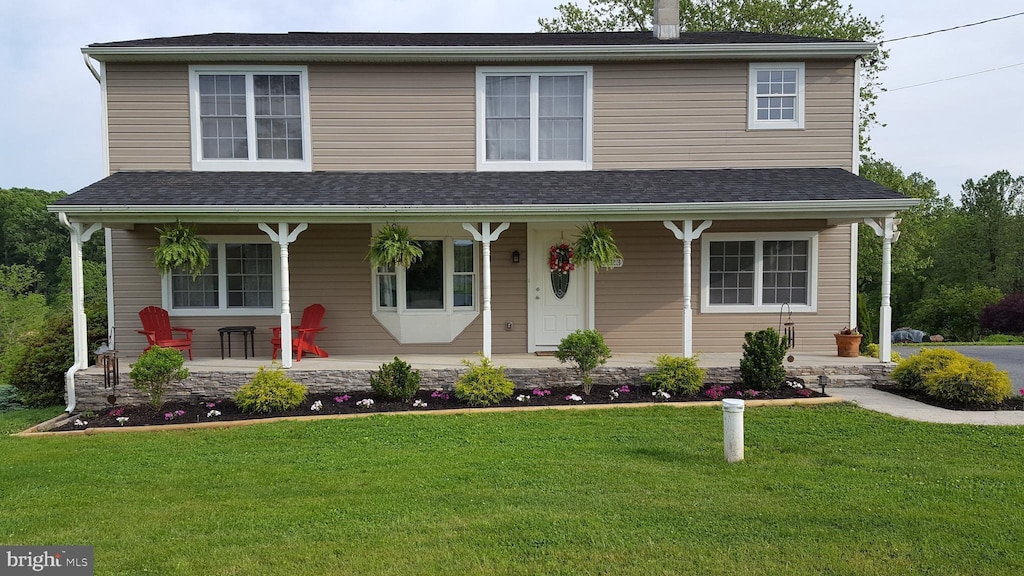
{"points": [[215, 378]]}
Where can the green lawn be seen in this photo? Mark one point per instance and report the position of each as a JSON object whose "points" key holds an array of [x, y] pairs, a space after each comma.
{"points": [[826, 490]]}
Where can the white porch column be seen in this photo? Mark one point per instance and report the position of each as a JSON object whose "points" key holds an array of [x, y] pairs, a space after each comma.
{"points": [[485, 237], [687, 235], [889, 233], [79, 234], [283, 238]]}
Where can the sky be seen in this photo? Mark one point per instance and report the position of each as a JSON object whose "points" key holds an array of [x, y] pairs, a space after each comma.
{"points": [[949, 131]]}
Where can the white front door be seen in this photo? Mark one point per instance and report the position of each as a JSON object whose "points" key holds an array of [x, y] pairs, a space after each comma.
{"points": [[558, 308]]}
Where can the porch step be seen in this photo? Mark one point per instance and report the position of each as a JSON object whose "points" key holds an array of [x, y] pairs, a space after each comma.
{"points": [[850, 381]]}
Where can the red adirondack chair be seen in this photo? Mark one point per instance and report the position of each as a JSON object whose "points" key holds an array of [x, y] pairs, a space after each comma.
{"points": [[312, 317], [156, 325]]}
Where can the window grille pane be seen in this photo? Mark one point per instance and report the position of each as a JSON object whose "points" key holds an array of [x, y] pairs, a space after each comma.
{"points": [[507, 117], [278, 111], [221, 106], [463, 255], [199, 292], [424, 280], [785, 272], [387, 290], [781, 85], [250, 276], [463, 290], [731, 272], [560, 119]]}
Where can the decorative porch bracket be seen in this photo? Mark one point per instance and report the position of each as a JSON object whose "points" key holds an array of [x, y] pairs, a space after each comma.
{"points": [[688, 234], [485, 236], [283, 238], [888, 230], [79, 234]]}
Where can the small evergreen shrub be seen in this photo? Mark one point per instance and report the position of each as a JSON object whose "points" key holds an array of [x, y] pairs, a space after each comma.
{"points": [[968, 380], [911, 372], [676, 374], [1004, 317], [761, 366], [587, 350], [38, 373], [9, 399], [270, 391], [154, 371], [484, 384], [396, 381]]}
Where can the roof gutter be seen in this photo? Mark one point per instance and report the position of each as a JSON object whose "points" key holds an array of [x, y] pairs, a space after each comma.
{"points": [[88, 64], [477, 53], [524, 212]]}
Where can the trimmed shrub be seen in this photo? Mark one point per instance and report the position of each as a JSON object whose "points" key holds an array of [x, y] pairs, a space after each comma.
{"points": [[676, 374], [587, 350], [154, 371], [954, 312], [968, 380], [484, 384], [761, 366], [911, 372], [38, 373], [1004, 317], [270, 391], [873, 350], [9, 399], [396, 381]]}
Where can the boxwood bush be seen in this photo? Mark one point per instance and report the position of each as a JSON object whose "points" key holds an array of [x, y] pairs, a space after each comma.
{"points": [[396, 381], [270, 391], [586, 350], [154, 371], [761, 365], [676, 374], [484, 384]]}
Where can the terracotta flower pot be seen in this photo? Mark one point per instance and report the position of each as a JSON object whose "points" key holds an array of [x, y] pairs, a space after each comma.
{"points": [[848, 345]]}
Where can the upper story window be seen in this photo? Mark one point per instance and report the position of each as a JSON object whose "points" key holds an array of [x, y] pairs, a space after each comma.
{"points": [[758, 272], [250, 118], [776, 99], [535, 118], [243, 277]]}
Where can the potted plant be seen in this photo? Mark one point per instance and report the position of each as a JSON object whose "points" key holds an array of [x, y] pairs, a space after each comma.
{"points": [[596, 245], [181, 249], [392, 246], [848, 342]]}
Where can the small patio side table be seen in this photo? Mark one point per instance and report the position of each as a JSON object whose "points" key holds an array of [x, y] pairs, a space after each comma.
{"points": [[248, 339]]}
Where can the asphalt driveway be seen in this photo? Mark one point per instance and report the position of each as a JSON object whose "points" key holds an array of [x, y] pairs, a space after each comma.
{"points": [[1009, 358]]}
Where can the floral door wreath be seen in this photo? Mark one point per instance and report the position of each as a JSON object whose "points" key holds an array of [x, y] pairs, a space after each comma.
{"points": [[560, 263]]}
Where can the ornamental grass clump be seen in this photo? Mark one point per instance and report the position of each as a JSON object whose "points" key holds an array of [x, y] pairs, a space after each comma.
{"points": [[270, 391], [154, 371], [676, 374], [587, 350], [761, 366], [484, 384], [396, 381]]}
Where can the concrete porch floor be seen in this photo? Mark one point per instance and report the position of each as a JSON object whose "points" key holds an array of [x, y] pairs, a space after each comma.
{"points": [[803, 360]]}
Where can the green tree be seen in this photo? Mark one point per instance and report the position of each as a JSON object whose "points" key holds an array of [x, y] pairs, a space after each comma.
{"points": [[993, 210], [817, 18]]}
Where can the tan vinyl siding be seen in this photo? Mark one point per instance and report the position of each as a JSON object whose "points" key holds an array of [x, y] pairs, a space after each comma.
{"points": [[147, 117], [639, 307], [402, 117], [328, 267], [694, 115]]}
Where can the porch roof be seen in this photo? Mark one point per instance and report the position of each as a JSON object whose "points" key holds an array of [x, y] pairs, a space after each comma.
{"points": [[609, 194]]}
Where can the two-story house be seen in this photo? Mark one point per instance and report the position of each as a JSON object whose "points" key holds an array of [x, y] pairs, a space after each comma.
{"points": [[724, 163]]}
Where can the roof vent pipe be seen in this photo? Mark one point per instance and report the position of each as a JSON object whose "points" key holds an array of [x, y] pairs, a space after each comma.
{"points": [[666, 19]]}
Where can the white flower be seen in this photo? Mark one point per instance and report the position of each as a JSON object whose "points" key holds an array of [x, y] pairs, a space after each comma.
{"points": [[614, 395], [662, 394], [419, 403], [316, 406], [574, 398], [121, 420], [80, 422], [213, 413], [365, 402], [522, 398]]}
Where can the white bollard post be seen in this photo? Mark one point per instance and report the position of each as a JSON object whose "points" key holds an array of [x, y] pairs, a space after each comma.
{"points": [[732, 410]]}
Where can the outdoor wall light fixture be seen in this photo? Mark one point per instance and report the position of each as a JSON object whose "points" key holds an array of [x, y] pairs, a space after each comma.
{"points": [[515, 256]]}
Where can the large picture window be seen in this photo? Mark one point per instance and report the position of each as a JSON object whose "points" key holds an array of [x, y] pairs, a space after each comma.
{"points": [[242, 278], [250, 118], [530, 119], [744, 273]]}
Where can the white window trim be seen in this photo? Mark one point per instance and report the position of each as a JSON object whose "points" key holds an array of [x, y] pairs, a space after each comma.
{"points": [[797, 123], [758, 237], [483, 164], [222, 283], [430, 326], [251, 164]]}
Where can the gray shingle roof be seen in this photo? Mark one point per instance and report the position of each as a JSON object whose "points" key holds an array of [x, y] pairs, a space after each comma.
{"points": [[608, 187], [371, 39]]}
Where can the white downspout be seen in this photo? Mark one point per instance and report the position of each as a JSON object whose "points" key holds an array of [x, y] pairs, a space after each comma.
{"points": [[485, 237], [687, 235], [283, 238], [80, 328]]}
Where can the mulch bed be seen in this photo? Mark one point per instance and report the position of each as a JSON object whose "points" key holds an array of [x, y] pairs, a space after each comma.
{"points": [[184, 412], [1013, 403]]}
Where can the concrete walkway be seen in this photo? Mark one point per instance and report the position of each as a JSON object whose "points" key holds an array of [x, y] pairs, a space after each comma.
{"points": [[912, 410]]}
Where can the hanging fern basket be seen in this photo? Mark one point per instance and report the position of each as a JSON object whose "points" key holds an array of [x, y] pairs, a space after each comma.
{"points": [[595, 244], [181, 249], [392, 246]]}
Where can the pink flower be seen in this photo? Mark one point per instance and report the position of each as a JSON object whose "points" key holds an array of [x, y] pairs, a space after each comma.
{"points": [[805, 392], [342, 398], [624, 390]]}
